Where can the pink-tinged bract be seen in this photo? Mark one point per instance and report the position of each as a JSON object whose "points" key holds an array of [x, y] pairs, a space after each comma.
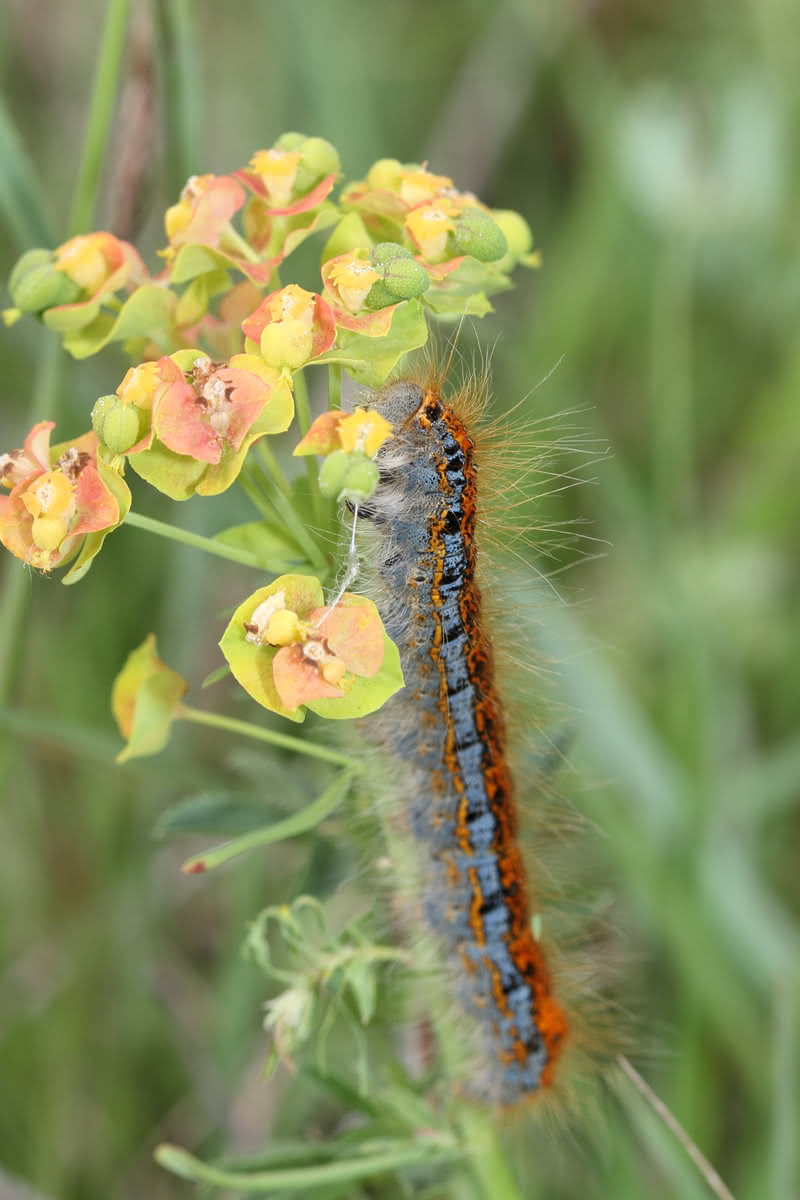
{"points": [[64, 506], [354, 632], [341, 664]]}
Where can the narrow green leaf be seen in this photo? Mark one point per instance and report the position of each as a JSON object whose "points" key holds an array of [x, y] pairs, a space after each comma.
{"points": [[215, 676], [360, 977], [212, 813], [21, 200], [101, 115], [183, 94], [291, 826], [269, 546], [409, 1154]]}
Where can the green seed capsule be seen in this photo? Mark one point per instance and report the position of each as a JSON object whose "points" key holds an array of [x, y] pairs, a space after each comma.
{"points": [[100, 411], [385, 174], [406, 278], [517, 232], [478, 235], [320, 156], [290, 141], [29, 260], [361, 479], [386, 252], [333, 472], [43, 287], [379, 296], [118, 425]]}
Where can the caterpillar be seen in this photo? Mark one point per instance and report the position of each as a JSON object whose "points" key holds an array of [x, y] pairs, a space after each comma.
{"points": [[446, 732]]}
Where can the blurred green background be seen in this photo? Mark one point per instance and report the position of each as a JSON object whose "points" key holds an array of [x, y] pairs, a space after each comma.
{"points": [[653, 148]]}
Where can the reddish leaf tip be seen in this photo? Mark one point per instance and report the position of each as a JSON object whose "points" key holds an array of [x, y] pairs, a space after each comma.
{"points": [[194, 867]]}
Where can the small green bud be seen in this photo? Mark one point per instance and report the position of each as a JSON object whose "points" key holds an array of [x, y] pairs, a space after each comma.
{"points": [[320, 156], [406, 278], [290, 141], [478, 235], [118, 425], [361, 479], [379, 296], [517, 232], [100, 411], [403, 276], [384, 175], [42, 287], [29, 260], [386, 252], [333, 472]]}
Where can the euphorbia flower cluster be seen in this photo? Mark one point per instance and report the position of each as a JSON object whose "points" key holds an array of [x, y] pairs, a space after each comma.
{"points": [[291, 651], [348, 442], [291, 327], [186, 423], [218, 343], [62, 500]]}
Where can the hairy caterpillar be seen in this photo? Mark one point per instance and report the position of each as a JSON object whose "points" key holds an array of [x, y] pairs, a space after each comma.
{"points": [[446, 732]]}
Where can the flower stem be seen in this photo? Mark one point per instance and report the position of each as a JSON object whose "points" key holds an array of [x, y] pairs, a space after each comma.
{"points": [[302, 402], [304, 421], [236, 244], [334, 386], [486, 1158], [247, 729], [101, 115], [272, 465], [210, 545], [274, 504], [182, 105], [304, 1178]]}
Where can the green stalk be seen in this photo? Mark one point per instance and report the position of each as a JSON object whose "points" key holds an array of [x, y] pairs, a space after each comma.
{"points": [[296, 1179], [210, 545], [277, 505], [233, 241], [485, 1157], [304, 421], [783, 1147], [669, 1122], [21, 199], [101, 115], [274, 469], [247, 729], [183, 105], [334, 386], [672, 419], [302, 402]]}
